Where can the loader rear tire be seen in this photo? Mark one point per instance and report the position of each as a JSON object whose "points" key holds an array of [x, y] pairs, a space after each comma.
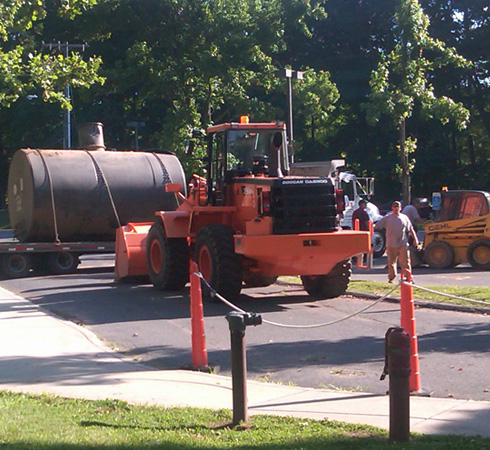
{"points": [[218, 263], [439, 255], [331, 285], [167, 259], [478, 254]]}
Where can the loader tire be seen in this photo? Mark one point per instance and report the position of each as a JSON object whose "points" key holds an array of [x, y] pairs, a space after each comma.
{"points": [[218, 263], [330, 285], [439, 255], [478, 254], [167, 259]]}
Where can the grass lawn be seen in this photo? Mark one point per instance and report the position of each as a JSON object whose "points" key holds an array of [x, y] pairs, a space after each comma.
{"points": [[52, 423], [380, 288], [481, 293]]}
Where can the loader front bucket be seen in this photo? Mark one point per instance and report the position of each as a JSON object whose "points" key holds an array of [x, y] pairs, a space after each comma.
{"points": [[130, 250]]}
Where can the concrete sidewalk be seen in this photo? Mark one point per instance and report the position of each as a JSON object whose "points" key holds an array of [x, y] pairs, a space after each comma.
{"points": [[42, 353]]}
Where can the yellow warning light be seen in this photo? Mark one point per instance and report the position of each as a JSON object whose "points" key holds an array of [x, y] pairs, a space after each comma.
{"points": [[444, 188], [243, 118]]}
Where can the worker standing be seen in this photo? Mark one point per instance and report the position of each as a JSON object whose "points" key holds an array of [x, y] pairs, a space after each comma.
{"points": [[398, 228], [362, 216], [412, 211]]}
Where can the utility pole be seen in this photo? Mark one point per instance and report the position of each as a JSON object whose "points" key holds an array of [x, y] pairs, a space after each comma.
{"points": [[65, 47], [289, 74]]}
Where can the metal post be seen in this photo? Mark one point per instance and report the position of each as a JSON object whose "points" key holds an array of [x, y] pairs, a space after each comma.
{"points": [[289, 74], [65, 48], [397, 366], [237, 323]]}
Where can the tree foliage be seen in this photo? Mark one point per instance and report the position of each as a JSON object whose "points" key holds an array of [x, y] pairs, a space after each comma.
{"points": [[174, 66], [23, 66], [402, 80]]}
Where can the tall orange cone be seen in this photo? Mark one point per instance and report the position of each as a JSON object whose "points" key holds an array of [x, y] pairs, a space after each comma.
{"points": [[407, 322], [199, 352]]}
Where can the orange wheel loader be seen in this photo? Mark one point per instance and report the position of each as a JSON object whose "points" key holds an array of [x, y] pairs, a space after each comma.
{"points": [[248, 221]]}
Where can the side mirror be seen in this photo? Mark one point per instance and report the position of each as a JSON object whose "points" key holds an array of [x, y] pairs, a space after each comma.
{"points": [[277, 140]]}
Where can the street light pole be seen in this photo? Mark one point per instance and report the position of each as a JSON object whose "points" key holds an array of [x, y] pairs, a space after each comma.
{"points": [[65, 48], [290, 74]]}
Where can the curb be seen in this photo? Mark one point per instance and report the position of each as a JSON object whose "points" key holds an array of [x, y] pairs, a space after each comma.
{"points": [[418, 303], [425, 304]]}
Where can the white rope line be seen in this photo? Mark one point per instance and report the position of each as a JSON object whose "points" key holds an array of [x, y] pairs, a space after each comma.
{"points": [[480, 302], [283, 325], [51, 191]]}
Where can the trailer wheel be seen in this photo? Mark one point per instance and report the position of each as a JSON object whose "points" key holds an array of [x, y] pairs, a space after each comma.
{"points": [[167, 259], [62, 262], [478, 254], [378, 243], [218, 263], [330, 285], [16, 265], [439, 255]]}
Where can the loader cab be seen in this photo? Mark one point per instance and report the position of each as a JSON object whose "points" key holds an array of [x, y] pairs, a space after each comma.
{"points": [[243, 150]]}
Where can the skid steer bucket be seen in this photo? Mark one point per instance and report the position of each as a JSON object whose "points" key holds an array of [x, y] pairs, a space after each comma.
{"points": [[130, 250]]}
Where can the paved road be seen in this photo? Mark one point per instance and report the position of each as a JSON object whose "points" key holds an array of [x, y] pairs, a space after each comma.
{"points": [[155, 328]]}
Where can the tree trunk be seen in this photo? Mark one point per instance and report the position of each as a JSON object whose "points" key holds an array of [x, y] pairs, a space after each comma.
{"points": [[405, 173]]}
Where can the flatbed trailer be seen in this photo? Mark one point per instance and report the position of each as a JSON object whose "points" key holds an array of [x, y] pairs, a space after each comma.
{"points": [[17, 259]]}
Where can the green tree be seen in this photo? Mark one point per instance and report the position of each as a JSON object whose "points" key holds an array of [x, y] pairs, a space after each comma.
{"points": [[464, 24], [402, 81], [181, 65]]}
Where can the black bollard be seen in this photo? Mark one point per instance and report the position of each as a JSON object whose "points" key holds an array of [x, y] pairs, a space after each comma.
{"points": [[397, 366], [238, 322]]}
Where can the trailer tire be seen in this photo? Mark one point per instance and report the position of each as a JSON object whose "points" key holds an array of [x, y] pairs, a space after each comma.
{"points": [[62, 262], [378, 243], [218, 263], [167, 259], [439, 255], [331, 285], [478, 254], [15, 265]]}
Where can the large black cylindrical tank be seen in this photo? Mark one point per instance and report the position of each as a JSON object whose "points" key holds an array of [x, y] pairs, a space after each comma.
{"points": [[80, 195]]}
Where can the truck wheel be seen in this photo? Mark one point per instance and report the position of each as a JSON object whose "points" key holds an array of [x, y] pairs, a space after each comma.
{"points": [[378, 243], [16, 265], [478, 254], [218, 263], [439, 255], [255, 279], [167, 259], [416, 256], [331, 285], [62, 262]]}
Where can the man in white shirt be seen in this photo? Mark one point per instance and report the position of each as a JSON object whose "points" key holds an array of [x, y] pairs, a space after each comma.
{"points": [[412, 211], [398, 227]]}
